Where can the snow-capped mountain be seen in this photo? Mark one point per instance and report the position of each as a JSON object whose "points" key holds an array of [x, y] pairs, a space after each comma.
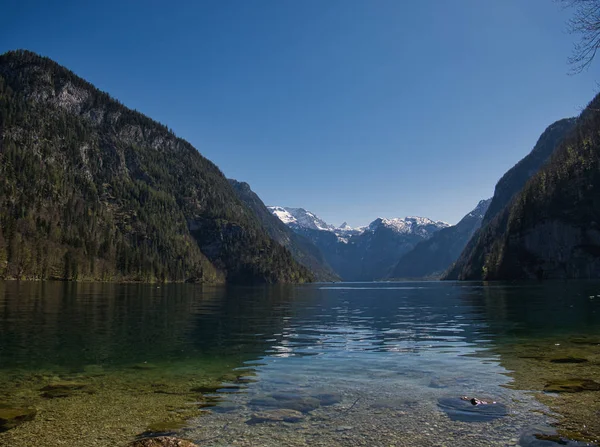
{"points": [[345, 231], [421, 226], [300, 218], [363, 253], [480, 209], [431, 257]]}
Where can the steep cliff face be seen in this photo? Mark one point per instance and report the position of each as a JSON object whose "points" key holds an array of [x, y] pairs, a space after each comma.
{"points": [[430, 258], [551, 228], [92, 190], [303, 250], [514, 180]]}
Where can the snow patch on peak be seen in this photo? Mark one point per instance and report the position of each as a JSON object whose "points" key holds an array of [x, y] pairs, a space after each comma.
{"points": [[300, 218], [480, 209], [283, 215], [411, 224], [345, 231]]}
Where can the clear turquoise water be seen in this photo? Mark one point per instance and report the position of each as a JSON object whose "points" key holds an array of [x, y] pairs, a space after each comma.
{"points": [[393, 358]]}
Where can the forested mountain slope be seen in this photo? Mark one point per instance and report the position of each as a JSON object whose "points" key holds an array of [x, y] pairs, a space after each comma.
{"points": [[365, 253], [515, 178], [303, 250], [550, 229], [90, 189]]}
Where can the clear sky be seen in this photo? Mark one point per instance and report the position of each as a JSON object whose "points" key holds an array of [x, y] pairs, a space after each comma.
{"points": [[352, 109]]}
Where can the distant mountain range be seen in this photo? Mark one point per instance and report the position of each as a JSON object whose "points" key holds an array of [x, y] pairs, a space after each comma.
{"points": [[365, 253], [431, 257], [542, 222], [92, 190], [301, 219]]}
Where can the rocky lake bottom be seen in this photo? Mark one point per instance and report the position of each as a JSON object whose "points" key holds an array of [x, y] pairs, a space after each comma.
{"points": [[385, 364]]}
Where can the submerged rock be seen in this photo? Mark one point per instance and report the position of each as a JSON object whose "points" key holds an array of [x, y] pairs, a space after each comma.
{"points": [[162, 441], [327, 399], [57, 394], [289, 401], [64, 386], [210, 401], [10, 417], [546, 437], [571, 386], [568, 360], [280, 415], [165, 427], [263, 402], [224, 407], [61, 389], [145, 366], [585, 340], [458, 409], [217, 388], [301, 403]]}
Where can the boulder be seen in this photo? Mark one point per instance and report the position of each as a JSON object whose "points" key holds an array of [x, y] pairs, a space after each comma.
{"points": [[10, 417]]}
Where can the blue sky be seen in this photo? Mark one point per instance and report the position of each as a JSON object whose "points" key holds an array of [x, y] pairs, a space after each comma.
{"points": [[352, 109]]}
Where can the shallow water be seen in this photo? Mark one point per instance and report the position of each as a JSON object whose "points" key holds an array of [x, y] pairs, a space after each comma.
{"points": [[322, 364]]}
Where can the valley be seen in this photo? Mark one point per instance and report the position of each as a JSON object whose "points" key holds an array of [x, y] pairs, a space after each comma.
{"points": [[294, 224]]}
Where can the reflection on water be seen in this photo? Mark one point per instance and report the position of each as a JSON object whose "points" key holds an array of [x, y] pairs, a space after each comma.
{"points": [[324, 364]]}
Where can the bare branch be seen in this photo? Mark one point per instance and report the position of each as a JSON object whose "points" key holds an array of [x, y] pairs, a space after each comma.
{"points": [[586, 23]]}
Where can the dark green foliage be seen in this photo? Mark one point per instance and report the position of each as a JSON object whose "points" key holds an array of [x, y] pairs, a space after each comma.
{"points": [[470, 262], [513, 181], [92, 190], [303, 251], [551, 228]]}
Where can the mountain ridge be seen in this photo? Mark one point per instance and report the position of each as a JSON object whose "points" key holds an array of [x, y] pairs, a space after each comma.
{"points": [[301, 218], [367, 253], [430, 258], [545, 231], [515, 178], [303, 250], [93, 190]]}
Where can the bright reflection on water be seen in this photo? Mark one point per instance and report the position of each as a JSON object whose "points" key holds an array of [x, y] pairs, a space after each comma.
{"points": [[361, 363]]}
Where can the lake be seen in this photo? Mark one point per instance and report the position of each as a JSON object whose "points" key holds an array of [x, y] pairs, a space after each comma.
{"points": [[344, 364]]}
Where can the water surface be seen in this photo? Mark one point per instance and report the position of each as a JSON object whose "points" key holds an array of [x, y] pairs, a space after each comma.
{"points": [[321, 364]]}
